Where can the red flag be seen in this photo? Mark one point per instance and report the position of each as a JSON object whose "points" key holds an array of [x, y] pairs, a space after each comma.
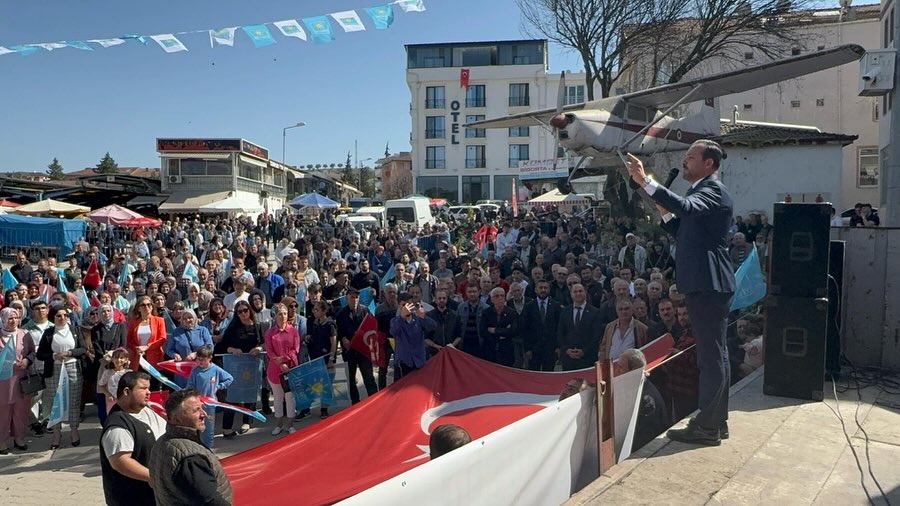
{"points": [[515, 200], [182, 368], [464, 78], [369, 342], [92, 276], [157, 402], [657, 351]]}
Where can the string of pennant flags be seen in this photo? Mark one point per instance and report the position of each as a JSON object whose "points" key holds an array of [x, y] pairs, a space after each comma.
{"points": [[315, 29]]}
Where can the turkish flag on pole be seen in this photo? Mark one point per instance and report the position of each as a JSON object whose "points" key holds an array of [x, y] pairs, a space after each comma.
{"points": [[92, 276], [515, 200], [369, 342], [464, 78]]}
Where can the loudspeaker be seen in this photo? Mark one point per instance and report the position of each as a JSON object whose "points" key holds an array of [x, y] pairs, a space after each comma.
{"points": [[799, 255], [835, 289], [795, 347]]}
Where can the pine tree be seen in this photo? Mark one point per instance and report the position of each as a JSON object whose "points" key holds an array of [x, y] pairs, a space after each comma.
{"points": [[55, 170], [107, 165]]}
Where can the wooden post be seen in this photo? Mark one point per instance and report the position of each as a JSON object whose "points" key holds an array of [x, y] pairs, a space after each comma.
{"points": [[605, 416]]}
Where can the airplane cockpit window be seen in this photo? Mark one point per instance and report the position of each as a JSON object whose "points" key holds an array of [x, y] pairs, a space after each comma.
{"points": [[637, 113]]}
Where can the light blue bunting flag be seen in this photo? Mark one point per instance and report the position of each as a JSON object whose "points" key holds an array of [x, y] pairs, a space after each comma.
{"points": [[78, 44], [140, 38], [7, 361], [247, 372], [60, 410], [9, 281], [25, 50], [319, 28], [411, 5], [311, 384], [750, 286], [190, 272], [259, 34], [382, 17], [222, 37]]}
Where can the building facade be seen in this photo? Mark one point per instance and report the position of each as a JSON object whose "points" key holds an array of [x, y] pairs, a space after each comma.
{"points": [[219, 176], [828, 99], [457, 83], [889, 124], [393, 175]]}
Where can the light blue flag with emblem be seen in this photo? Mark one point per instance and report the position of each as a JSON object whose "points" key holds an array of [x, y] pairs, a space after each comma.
{"points": [[24, 50], [319, 28], [366, 298], [60, 410], [389, 275], [259, 34], [140, 38], [190, 272], [750, 286], [8, 360], [61, 285], [411, 5], [247, 372], [311, 384], [78, 44], [83, 299], [382, 16], [9, 281], [123, 273]]}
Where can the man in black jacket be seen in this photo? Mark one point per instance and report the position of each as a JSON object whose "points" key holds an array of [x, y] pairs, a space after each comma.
{"points": [[447, 331], [131, 431], [700, 221], [542, 319], [366, 278], [579, 332], [499, 325], [348, 320]]}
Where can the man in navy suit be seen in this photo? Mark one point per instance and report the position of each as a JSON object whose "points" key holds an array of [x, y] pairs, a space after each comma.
{"points": [[578, 332], [700, 221]]}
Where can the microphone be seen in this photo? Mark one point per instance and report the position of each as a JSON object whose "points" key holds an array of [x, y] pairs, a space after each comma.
{"points": [[673, 175]]}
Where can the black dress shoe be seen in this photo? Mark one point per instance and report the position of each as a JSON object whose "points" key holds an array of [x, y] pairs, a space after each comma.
{"points": [[76, 443], [695, 434], [5, 451], [723, 431], [19, 447]]}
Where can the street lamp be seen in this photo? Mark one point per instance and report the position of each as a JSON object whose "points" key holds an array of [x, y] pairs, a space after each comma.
{"points": [[359, 166], [284, 137]]}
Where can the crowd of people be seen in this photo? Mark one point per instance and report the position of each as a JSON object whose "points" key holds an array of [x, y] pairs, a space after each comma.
{"points": [[539, 293]]}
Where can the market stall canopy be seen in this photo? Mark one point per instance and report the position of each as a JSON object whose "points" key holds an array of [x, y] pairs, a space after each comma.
{"points": [[555, 197], [314, 200], [8, 203], [113, 214], [142, 221], [231, 204], [51, 207], [190, 201]]}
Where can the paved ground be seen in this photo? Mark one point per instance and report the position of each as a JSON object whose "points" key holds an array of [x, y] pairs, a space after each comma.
{"points": [[781, 451]]}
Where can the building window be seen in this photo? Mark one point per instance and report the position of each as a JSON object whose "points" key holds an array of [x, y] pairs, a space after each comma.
{"points": [[434, 157], [795, 51], [522, 131], [867, 167], [517, 153], [428, 57], [522, 53], [795, 104], [820, 102], [475, 158], [248, 171], [574, 94], [475, 96], [434, 97], [503, 187], [477, 56], [172, 168], [475, 188], [748, 55], [198, 167], [475, 132], [439, 187], [518, 95], [748, 107], [218, 167], [434, 127]]}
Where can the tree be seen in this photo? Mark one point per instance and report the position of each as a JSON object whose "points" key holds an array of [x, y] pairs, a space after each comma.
{"points": [[55, 170], [398, 186], [348, 176], [675, 36], [107, 165], [367, 181]]}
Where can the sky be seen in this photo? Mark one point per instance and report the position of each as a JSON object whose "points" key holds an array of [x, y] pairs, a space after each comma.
{"points": [[77, 105]]}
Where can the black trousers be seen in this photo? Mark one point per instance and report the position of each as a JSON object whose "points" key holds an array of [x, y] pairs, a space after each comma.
{"points": [[383, 371], [355, 361], [543, 358], [228, 416], [709, 322], [403, 370]]}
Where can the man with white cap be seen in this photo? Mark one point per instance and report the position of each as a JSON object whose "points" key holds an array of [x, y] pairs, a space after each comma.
{"points": [[633, 255]]}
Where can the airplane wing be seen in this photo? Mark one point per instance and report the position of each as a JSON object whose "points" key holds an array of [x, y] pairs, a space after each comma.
{"points": [[530, 118], [745, 79]]}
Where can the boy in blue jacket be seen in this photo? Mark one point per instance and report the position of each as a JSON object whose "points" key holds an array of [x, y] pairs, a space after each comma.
{"points": [[208, 378]]}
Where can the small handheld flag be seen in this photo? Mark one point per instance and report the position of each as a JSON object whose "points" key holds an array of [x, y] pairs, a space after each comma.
{"points": [[60, 410], [750, 286]]}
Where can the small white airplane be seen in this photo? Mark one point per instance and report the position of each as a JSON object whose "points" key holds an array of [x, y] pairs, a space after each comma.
{"points": [[642, 122]]}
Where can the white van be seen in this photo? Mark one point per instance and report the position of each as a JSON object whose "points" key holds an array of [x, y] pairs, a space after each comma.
{"points": [[376, 212], [414, 211]]}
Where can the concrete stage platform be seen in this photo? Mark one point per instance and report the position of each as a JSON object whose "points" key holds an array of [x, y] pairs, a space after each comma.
{"points": [[781, 451]]}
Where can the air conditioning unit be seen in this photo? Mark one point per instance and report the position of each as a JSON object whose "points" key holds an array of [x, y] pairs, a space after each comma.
{"points": [[174, 179], [876, 72]]}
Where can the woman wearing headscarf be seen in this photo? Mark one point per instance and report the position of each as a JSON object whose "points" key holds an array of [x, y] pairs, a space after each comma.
{"points": [[145, 334], [14, 404], [186, 340], [215, 322], [61, 349], [242, 336], [90, 365], [106, 336], [263, 314], [193, 297]]}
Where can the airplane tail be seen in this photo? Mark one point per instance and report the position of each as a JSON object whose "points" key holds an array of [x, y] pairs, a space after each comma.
{"points": [[701, 116]]}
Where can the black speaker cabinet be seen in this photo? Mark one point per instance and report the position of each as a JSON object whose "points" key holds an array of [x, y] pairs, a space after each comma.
{"points": [[835, 289], [795, 347], [799, 254]]}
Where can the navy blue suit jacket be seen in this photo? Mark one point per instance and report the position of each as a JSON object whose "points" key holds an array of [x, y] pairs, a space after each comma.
{"points": [[700, 226]]}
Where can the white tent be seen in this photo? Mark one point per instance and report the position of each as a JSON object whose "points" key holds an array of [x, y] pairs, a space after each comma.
{"points": [[231, 205], [565, 203]]}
